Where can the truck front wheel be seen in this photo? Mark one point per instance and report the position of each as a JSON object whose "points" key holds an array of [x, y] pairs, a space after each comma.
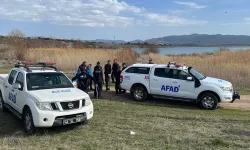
{"points": [[139, 94], [209, 101], [28, 123], [2, 108]]}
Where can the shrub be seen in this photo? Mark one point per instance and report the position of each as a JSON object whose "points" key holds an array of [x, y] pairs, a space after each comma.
{"points": [[151, 49]]}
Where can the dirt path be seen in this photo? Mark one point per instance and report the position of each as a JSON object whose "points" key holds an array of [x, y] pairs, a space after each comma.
{"points": [[242, 104]]}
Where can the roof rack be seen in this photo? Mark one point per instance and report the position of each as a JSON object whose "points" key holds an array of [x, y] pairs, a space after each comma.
{"points": [[27, 65]]}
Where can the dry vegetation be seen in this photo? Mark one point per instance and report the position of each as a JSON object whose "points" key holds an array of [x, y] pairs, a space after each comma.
{"points": [[232, 66]]}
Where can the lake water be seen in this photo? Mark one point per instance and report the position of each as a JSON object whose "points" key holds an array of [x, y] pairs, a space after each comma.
{"points": [[192, 50]]}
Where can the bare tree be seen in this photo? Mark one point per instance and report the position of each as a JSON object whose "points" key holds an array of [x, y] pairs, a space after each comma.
{"points": [[18, 41]]}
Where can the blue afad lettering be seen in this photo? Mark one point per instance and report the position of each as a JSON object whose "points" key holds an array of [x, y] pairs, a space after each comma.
{"points": [[61, 91], [169, 88], [12, 97]]}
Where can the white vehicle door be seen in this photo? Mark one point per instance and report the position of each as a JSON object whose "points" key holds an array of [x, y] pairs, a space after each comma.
{"points": [[9, 94], [180, 86], [20, 93], [159, 81]]}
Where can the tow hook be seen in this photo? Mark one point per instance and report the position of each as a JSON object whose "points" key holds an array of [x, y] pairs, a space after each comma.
{"points": [[236, 95]]}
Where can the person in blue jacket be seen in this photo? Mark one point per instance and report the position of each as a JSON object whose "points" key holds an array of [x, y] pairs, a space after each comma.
{"points": [[90, 77]]}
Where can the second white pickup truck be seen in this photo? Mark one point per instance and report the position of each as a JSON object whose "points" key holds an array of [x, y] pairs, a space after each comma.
{"points": [[42, 96], [176, 82]]}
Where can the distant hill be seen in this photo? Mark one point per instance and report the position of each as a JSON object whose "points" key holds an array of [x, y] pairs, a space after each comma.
{"points": [[202, 39], [136, 41]]}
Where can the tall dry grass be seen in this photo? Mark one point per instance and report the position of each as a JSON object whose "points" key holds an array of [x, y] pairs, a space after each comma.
{"points": [[70, 59], [231, 66]]}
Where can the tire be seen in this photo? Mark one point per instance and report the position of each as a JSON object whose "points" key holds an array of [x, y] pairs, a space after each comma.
{"points": [[2, 108], [139, 94], [28, 123], [209, 101]]}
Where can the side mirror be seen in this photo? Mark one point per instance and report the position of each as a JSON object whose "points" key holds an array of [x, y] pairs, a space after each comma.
{"points": [[17, 86], [190, 78]]}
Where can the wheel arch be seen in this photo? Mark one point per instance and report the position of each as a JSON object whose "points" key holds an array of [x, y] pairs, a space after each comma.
{"points": [[138, 84], [24, 108], [208, 91]]}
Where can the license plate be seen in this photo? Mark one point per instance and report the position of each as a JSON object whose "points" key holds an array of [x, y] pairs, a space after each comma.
{"points": [[71, 121]]}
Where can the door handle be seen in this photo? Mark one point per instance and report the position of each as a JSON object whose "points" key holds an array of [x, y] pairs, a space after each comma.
{"points": [[12, 90], [174, 82], [155, 79], [5, 86]]}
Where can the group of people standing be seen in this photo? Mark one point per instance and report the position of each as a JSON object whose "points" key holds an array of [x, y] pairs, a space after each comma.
{"points": [[85, 77]]}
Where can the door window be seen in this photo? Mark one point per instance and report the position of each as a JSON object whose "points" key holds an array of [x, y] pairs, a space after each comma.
{"points": [[179, 74], [163, 72], [12, 77], [20, 80]]}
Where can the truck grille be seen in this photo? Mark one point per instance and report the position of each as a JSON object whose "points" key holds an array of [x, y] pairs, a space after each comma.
{"points": [[70, 105]]}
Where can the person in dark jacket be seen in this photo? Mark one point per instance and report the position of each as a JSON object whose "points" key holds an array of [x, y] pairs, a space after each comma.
{"points": [[98, 76], [114, 69], [82, 79], [107, 73], [118, 81], [82, 69]]}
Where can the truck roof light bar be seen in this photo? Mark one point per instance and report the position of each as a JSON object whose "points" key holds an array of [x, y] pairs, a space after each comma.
{"points": [[27, 65]]}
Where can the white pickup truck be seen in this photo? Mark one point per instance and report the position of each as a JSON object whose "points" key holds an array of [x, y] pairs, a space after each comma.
{"points": [[176, 82], [42, 96]]}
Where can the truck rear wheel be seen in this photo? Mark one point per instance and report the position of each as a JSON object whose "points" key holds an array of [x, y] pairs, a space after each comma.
{"points": [[28, 123], [209, 101], [2, 108], [139, 93]]}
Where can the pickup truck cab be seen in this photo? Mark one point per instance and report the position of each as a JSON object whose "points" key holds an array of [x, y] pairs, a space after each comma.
{"points": [[43, 96], [176, 82]]}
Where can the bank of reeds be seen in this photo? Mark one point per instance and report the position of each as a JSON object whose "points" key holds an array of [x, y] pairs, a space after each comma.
{"points": [[232, 66]]}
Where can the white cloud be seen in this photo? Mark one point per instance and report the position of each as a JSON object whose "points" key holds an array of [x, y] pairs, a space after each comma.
{"points": [[247, 20], [92, 13], [191, 4]]}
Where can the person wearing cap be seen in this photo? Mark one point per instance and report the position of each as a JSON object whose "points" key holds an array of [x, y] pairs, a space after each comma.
{"points": [[98, 76], [150, 61], [107, 73]]}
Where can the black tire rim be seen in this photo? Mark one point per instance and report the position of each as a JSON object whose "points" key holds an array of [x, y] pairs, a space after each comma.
{"points": [[138, 94], [208, 102], [28, 122]]}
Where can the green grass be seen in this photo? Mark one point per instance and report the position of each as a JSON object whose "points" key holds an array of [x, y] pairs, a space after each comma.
{"points": [[243, 91], [156, 126]]}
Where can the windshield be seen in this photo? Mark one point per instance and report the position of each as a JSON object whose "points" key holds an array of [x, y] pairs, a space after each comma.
{"points": [[197, 74], [38, 81]]}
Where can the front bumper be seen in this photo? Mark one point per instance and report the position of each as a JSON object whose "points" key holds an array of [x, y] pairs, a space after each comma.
{"points": [[55, 118], [236, 95]]}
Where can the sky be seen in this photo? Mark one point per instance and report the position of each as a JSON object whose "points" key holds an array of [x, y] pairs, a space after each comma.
{"points": [[125, 19]]}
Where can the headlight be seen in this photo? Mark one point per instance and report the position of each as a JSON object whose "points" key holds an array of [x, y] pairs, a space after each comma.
{"points": [[88, 101], [44, 106], [226, 88]]}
